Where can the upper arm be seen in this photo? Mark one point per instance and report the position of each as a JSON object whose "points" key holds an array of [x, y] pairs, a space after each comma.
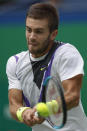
{"points": [[73, 83], [11, 67], [72, 89], [15, 91]]}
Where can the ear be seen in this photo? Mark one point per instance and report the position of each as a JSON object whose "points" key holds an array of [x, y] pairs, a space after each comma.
{"points": [[54, 34]]}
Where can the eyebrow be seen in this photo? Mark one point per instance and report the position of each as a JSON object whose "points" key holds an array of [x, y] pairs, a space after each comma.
{"points": [[36, 28]]}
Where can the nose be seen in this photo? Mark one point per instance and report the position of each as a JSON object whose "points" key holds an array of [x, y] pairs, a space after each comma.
{"points": [[32, 36]]}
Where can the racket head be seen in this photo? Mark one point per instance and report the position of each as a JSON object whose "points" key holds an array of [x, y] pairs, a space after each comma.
{"points": [[54, 91]]}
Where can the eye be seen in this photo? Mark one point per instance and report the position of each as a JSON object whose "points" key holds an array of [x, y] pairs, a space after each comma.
{"points": [[29, 29], [39, 31]]}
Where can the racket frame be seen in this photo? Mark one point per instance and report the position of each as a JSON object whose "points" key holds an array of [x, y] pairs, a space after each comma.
{"points": [[62, 98]]}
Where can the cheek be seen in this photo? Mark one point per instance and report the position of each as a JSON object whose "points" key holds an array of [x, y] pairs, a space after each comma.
{"points": [[27, 35], [42, 38]]}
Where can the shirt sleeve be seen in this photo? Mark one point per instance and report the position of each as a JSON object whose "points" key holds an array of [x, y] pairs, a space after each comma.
{"points": [[70, 64], [11, 74]]}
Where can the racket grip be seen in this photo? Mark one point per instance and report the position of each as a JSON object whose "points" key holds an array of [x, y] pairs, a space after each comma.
{"points": [[36, 114]]}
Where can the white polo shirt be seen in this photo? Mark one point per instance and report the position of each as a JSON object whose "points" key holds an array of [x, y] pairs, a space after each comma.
{"points": [[67, 63]]}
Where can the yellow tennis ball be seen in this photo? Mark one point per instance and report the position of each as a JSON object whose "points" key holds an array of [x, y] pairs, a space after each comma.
{"points": [[42, 109], [49, 105], [52, 106], [55, 106]]}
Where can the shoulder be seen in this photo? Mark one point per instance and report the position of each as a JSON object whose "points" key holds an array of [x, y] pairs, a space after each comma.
{"points": [[67, 60], [13, 61], [15, 58], [66, 47], [67, 50]]}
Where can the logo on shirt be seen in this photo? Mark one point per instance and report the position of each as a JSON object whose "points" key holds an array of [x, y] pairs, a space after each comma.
{"points": [[43, 68]]}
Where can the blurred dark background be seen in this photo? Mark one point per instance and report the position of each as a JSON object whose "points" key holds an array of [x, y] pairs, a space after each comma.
{"points": [[72, 29]]}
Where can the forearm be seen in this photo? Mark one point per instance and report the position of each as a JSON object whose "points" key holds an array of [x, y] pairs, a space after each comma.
{"points": [[25, 114], [13, 110], [15, 101]]}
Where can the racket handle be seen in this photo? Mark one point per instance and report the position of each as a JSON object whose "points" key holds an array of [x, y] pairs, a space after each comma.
{"points": [[36, 114]]}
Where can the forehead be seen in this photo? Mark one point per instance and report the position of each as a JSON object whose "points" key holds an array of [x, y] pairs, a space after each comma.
{"points": [[37, 23]]}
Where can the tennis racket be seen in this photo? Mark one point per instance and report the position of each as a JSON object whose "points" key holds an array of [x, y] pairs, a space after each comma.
{"points": [[52, 90]]}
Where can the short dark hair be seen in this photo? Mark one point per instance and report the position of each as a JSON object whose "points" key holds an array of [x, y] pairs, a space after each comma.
{"points": [[42, 11]]}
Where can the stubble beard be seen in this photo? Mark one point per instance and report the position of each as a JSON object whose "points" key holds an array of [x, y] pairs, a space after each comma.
{"points": [[42, 51]]}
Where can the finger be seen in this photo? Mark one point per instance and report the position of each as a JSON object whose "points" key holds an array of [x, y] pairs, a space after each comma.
{"points": [[29, 123], [28, 117], [38, 120]]}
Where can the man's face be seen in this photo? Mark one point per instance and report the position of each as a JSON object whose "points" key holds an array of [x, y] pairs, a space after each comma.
{"points": [[38, 36]]}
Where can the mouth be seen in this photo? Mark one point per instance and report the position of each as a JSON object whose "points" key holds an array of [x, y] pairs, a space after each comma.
{"points": [[32, 43]]}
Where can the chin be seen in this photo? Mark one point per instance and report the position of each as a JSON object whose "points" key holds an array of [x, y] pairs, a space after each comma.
{"points": [[32, 51]]}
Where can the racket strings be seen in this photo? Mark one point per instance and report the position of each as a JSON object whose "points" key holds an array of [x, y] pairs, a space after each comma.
{"points": [[52, 93]]}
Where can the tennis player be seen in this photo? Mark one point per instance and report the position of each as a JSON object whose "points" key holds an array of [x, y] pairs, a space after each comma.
{"points": [[25, 71]]}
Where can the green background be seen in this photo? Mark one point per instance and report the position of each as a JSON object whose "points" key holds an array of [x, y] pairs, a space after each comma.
{"points": [[12, 41]]}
